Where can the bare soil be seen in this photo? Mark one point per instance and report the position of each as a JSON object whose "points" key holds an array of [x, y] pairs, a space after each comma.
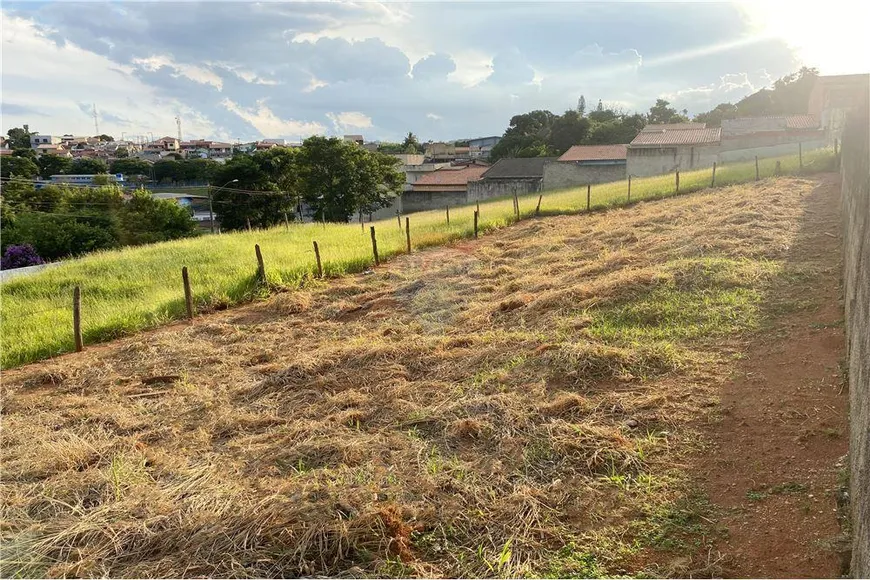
{"points": [[774, 471], [651, 390]]}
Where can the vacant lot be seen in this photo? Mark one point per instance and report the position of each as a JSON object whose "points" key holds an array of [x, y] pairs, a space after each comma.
{"points": [[125, 291], [530, 404]]}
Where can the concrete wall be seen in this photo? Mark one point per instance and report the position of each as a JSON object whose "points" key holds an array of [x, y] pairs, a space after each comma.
{"points": [[560, 174], [425, 200], [487, 188], [644, 161], [856, 293], [747, 125]]}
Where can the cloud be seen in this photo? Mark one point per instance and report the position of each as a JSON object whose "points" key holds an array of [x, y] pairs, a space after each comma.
{"points": [[269, 124], [349, 120], [433, 116], [15, 109], [195, 73]]}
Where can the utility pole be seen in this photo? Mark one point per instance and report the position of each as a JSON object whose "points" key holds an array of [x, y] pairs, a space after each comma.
{"points": [[96, 122], [178, 122]]}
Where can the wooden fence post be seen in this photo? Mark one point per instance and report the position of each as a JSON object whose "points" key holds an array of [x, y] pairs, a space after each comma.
{"points": [[678, 181], [399, 220], [476, 215], [801, 154], [588, 197], [317, 257], [77, 318], [713, 181], [629, 188], [517, 206], [249, 223], [188, 296], [778, 169], [261, 268], [538, 207], [447, 209], [375, 247], [408, 233], [756, 168]]}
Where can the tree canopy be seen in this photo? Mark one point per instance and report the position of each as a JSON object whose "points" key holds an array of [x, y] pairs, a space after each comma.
{"points": [[18, 138]]}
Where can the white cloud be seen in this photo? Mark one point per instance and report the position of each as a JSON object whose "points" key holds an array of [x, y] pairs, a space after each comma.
{"points": [[349, 120], [195, 73], [472, 67], [314, 84], [433, 116], [37, 66], [249, 76], [269, 124]]}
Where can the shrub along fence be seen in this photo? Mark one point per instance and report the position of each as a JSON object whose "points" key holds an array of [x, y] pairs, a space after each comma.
{"points": [[123, 291]]}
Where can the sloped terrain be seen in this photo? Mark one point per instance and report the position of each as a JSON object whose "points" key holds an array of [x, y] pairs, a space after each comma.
{"points": [[530, 404]]}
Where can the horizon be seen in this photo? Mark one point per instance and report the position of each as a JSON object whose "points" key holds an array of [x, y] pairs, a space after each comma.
{"points": [[236, 71]]}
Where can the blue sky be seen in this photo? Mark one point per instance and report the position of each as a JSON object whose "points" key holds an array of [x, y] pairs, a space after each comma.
{"points": [[244, 70]]}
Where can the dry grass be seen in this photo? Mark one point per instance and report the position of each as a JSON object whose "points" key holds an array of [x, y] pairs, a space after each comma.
{"points": [[517, 406]]}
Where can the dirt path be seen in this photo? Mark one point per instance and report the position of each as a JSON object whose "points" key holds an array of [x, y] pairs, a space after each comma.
{"points": [[773, 471]]}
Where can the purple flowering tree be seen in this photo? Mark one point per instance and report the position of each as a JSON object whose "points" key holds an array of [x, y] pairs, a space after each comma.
{"points": [[19, 257]]}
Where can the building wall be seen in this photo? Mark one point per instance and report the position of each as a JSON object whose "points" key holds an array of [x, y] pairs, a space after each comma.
{"points": [[425, 200], [559, 174], [855, 172], [749, 125], [488, 188], [644, 161]]}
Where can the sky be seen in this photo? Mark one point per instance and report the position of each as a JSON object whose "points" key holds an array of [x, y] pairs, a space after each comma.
{"points": [[239, 71]]}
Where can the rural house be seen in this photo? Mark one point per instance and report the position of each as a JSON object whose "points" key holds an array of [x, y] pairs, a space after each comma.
{"points": [[744, 138], [508, 177], [659, 149], [446, 186], [585, 164]]}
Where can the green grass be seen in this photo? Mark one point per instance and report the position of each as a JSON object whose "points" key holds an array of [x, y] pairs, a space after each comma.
{"points": [[127, 290]]}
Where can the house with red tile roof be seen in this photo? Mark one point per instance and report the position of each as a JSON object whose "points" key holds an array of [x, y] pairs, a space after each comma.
{"points": [[447, 186], [662, 149], [586, 164], [769, 136]]}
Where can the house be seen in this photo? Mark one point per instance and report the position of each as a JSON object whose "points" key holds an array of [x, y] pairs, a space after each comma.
{"points": [[440, 151], [52, 149], [659, 149], [586, 164], [84, 179], [37, 140], [516, 176], [833, 97], [443, 187], [745, 138], [358, 139]]}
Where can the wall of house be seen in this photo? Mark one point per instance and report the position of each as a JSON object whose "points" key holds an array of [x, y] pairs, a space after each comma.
{"points": [[855, 173], [425, 200], [645, 161], [559, 174], [488, 188], [746, 147]]}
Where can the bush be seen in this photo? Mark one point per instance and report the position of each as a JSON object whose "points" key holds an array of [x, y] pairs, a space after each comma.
{"points": [[19, 257]]}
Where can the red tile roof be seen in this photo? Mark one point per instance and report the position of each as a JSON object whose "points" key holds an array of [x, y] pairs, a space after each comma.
{"points": [[801, 122], [674, 126], [677, 137], [451, 176], [594, 152]]}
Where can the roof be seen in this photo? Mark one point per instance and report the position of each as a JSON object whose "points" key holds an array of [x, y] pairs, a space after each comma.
{"points": [[594, 153], [518, 168], [674, 127], [677, 137], [451, 176], [354, 137], [801, 122]]}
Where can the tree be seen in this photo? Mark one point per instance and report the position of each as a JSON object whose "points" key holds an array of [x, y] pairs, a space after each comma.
{"points": [[581, 105], [121, 153], [18, 167], [600, 106], [146, 220], [662, 113], [569, 129], [338, 179], [18, 138], [50, 164], [714, 117], [88, 166], [105, 138], [411, 144], [262, 205], [526, 133], [131, 166]]}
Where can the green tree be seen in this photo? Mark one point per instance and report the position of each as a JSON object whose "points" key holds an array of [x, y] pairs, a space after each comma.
{"points": [[581, 105], [569, 129], [662, 112], [130, 166], [338, 179], [263, 204], [87, 166], [105, 138], [50, 164], [146, 220], [526, 133], [411, 144], [714, 117], [11, 165], [27, 153], [122, 153], [18, 138], [167, 170]]}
